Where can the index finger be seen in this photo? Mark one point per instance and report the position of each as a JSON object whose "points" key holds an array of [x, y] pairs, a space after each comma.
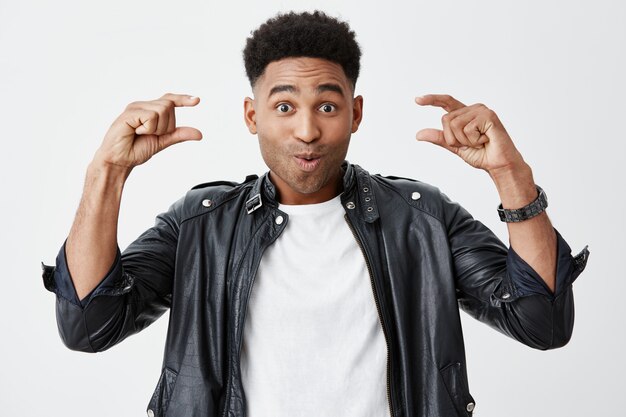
{"points": [[445, 101], [181, 100]]}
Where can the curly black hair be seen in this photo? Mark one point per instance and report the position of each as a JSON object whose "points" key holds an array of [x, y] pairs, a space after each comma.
{"points": [[314, 35]]}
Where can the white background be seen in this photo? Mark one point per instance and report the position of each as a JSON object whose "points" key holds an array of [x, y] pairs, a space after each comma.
{"points": [[553, 72]]}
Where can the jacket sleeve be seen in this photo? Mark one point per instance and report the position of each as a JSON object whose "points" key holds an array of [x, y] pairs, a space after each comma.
{"points": [[133, 294], [496, 286]]}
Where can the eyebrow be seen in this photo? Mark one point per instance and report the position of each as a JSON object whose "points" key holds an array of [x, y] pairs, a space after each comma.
{"points": [[293, 89]]}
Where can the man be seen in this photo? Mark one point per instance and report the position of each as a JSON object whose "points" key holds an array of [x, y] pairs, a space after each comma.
{"points": [[317, 289]]}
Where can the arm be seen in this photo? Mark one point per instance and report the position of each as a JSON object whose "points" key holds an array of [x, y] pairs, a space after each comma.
{"points": [[476, 135], [497, 287], [142, 130], [90, 264], [527, 293], [534, 239], [91, 246]]}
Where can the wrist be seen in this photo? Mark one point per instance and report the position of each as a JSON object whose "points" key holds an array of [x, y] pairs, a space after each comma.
{"points": [[515, 185], [535, 208], [113, 173], [106, 178]]}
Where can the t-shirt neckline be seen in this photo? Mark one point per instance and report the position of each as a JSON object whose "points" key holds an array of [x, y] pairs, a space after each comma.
{"points": [[319, 208]]}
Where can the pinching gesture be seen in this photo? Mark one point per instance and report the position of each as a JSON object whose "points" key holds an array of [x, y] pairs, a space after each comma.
{"points": [[145, 128], [474, 133]]}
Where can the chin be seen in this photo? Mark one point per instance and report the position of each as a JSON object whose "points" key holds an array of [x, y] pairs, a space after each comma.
{"points": [[305, 189]]}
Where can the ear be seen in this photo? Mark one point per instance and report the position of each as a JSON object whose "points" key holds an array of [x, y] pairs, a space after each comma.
{"points": [[357, 113], [249, 114]]}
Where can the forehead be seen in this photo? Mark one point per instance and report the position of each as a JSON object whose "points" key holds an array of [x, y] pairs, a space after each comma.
{"points": [[304, 73]]}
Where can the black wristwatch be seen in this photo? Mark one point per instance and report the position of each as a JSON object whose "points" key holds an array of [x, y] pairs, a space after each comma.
{"points": [[526, 212]]}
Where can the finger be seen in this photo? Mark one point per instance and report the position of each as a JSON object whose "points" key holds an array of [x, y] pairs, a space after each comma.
{"points": [[180, 134], [171, 125], [446, 102], [162, 109], [457, 124], [165, 111], [472, 131], [143, 121], [435, 136], [181, 100], [167, 115], [448, 135]]}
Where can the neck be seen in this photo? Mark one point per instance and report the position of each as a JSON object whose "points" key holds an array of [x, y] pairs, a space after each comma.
{"points": [[287, 195]]}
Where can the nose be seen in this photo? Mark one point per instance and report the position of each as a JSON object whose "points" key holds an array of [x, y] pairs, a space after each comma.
{"points": [[306, 129]]}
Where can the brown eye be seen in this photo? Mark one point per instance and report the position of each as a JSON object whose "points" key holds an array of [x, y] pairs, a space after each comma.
{"points": [[284, 108], [327, 108]]}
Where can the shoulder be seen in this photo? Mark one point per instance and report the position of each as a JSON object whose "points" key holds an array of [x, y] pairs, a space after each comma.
{"points": [[419, 195], [209, 196]]}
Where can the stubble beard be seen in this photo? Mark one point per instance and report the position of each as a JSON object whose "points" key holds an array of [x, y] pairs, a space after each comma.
{"points": [[304, 182]]}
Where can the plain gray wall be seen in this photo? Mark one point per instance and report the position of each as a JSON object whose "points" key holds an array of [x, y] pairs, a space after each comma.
{"points": [[552, 71]]}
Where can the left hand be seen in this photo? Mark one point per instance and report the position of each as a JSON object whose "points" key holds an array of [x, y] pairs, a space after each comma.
{"points": [[473, 132]]}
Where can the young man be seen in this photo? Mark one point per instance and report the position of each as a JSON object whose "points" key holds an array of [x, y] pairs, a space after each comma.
{"points": [[317, 289]]}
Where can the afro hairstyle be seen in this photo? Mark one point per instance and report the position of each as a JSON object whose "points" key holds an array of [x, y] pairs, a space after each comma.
{"points": [[314, 35]]}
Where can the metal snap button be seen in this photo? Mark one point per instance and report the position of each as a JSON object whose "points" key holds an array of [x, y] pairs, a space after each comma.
{"points": [[506, 295], [350, 205], [470, 407], [279, 220], [207, 203], [150, 413], [415, 196]]}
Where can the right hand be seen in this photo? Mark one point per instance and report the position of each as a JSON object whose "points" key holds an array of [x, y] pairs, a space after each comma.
{"points": [[145, 128]]}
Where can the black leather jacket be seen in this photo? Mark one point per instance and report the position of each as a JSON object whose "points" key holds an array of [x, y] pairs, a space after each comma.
{"points": [[426, 257]]}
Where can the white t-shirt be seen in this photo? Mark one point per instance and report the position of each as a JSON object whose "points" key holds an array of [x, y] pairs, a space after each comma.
{"points": [[313, 344]]}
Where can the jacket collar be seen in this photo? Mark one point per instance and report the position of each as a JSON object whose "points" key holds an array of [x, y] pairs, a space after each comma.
{"points": [[357, 192]]}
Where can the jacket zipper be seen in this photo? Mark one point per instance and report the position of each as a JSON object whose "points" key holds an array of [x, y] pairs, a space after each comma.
{"points": [[376, 301], [243, 319]]}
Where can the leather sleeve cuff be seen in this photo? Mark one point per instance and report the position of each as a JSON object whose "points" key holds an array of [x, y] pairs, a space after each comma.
{"points": [[527, 281], [58, 280]]}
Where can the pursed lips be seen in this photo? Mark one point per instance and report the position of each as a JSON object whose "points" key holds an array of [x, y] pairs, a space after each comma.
{"points": [[308, 156], [308, 161]]}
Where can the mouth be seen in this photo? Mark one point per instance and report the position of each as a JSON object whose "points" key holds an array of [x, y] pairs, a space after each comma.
{"points": [[308, 162]]}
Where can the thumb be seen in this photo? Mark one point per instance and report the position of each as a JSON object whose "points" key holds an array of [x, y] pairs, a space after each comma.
{"points": [[431, 135], [435, 136], [180, 134]]}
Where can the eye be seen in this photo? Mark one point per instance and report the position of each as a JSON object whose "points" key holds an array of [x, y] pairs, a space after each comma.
{"points": [[283, 108], [328, 108]]}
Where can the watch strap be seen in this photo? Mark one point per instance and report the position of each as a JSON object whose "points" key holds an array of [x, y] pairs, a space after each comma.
{"points": [[527, 212]]}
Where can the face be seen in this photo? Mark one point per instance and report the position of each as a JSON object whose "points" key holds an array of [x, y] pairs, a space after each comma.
{"points": [[304, 113]]}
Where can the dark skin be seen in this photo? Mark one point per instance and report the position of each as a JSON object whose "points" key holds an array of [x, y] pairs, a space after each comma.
{"points": [[304, 113], [289, 125], [476, 135]]}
